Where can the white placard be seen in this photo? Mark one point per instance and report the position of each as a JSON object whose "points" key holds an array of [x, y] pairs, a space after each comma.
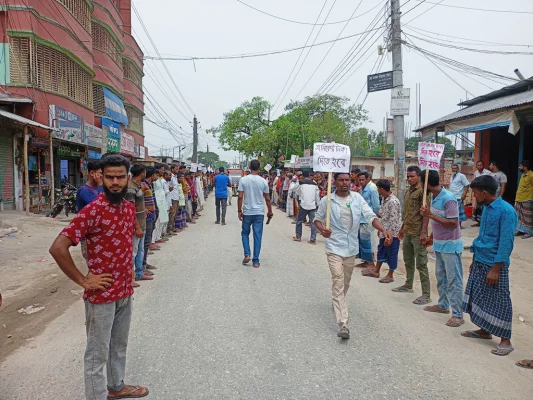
{"points": [[194, 167], [304, 162], [429, 155], [268, 167], [294, 159], [400, 101], [204, 170], [331, 157]]}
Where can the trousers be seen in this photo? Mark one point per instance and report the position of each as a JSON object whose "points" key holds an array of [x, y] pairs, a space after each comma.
{"points": [[302, 214], [221, 203], [414, 252], [255, 223], [147, 239], [341, 269]]}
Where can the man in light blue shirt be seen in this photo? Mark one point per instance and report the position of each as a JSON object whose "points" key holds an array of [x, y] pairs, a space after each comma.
{"points": [[459, 188], [366, 231], [342, 246]]}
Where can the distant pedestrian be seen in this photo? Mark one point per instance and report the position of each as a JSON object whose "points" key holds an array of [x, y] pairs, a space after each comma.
{"points": [[366, 229], [222, 183], [230, 192], [293, 179], [478, 209], [151, 216], [347, 210], [309, 196], [181, 215], [524, 201], [459, 188], [253, 194], [390, 215], [108, 223], [174, 188], [487, 297], [447, 242], [499, 177], [354, 186]]}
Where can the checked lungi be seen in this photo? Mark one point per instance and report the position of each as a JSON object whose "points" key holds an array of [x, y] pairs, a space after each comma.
{"points": [[462, 214], [365, 242], [525, 216], [489, 306], [181, 218]]}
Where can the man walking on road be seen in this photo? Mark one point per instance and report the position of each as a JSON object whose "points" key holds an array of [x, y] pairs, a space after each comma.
{"points": [[108, 224], [487, 296], [459, 188], [347, 210], [366, 230], [222, 183], [447, 242], [253, 194], [309, 196], [524, 201], [414, 235]]}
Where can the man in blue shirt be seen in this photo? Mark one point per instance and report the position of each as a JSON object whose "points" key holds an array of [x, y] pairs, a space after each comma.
{"points": [[487, 297], [92, 188], [222, 182], [366, 230]]}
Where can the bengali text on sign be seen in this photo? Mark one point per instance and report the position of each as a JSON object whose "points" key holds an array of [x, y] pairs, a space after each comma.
{"points": [[331, 157], [429, 155]]}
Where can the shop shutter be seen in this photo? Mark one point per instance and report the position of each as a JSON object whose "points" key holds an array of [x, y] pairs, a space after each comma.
{"points": [[7, 183]]}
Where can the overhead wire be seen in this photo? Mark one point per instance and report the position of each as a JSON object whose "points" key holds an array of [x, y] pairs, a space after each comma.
{"points": [[481, 9]]}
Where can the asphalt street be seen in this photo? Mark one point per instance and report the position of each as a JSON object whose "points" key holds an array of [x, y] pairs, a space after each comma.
{"points": [[210, 328]]}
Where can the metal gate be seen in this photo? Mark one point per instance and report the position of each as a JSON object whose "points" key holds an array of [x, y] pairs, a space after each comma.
{"points": [[7, 182]]}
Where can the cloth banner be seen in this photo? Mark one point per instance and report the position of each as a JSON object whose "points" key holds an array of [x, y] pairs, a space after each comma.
{"points": [[331, 157], [505, 118], [114, 107]]}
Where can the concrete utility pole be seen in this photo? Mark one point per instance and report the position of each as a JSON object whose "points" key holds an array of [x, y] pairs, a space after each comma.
{"points": [[397, 68], [195, 140]]}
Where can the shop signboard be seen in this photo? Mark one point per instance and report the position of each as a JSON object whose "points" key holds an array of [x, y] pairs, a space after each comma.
{"points": [[112, 132], [127, 144], [94, 136], [64, 150], [142, 151], [68, 126], [114, 107], [94, 155]]}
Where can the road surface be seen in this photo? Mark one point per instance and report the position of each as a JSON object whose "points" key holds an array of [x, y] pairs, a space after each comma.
{"points": [[210, 328]]}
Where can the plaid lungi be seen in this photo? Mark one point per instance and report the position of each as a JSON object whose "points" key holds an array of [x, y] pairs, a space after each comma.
{"points": [[525, 216], [490, 307], [181, 218], [365, 242], [462, 215]]}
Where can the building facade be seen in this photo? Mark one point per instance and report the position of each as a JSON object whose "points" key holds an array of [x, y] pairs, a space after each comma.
{"points": [[71, 65]]}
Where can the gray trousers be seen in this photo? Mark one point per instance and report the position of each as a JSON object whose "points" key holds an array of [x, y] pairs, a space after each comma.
{"points": [[108, 327], [221, 203]]}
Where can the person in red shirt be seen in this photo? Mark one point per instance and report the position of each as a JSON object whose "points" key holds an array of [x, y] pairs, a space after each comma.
{"points": [[108, 224]]}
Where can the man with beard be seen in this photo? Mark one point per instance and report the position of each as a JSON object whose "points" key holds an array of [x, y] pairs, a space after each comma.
{"points": [[108, 224]]}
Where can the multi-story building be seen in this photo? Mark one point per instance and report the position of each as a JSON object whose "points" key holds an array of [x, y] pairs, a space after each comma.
{"points": [[73, 66]]}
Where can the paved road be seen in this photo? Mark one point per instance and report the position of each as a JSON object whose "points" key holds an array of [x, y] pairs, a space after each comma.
{"points": [[210, 328]]}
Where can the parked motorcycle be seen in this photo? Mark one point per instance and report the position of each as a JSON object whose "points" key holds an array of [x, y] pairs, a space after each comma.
{"points": [[65, 199]]}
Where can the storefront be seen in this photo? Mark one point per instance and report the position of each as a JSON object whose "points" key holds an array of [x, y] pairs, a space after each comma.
{"points": [[7, 176], [39, 174]]}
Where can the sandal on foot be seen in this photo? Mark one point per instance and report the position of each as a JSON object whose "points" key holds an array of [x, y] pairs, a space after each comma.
{"points": [[370, 273], [502, 351], [403, 289], [528, 364], [422, 300], [129, 392], [386, 279], [436, 309], [296, 239], [475, 335], [246, 260], [455, 322], [311, 242]]}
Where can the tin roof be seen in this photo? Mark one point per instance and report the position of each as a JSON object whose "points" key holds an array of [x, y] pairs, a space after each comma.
{"points": [[24, 121]]}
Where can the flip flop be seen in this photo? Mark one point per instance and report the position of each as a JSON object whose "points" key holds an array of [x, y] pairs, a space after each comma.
{"points": [[296, 239], [403, 289], [246, 260], [420, 301], [528, 364], [474, 335], [436, 309], [130, 393], [502, 351], [386, 280]]}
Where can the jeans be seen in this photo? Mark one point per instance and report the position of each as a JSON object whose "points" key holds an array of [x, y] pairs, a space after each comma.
{"points": [[341, 269], [148, 239], [302, 214], [414, 251], [107, 327], [449, 273], [138, 255], [254, 222], [221, 203]]}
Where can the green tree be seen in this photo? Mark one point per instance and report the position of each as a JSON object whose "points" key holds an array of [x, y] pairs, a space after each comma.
{"points": [[208, 158], [411, 144]]}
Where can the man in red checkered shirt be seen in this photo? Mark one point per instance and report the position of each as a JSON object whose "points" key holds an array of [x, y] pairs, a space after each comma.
{"points": [[108, 224]]}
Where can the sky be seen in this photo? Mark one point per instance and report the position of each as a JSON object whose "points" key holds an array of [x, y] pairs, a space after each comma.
{"points": [[211, 28]]}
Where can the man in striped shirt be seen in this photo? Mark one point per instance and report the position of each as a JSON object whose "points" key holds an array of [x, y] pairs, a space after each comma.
{"points": [[151, 214]]}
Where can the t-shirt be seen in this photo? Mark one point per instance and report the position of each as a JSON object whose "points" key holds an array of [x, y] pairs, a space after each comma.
{"points": [[108, 230], [499, 177], [135, 195], [346, 213], [149, 201], [221, 186], [86, 194], [458, 182], [446, 240], [254, 188]]}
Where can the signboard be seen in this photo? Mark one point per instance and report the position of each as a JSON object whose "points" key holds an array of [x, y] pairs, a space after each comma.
{"points": [[68, 126], [304, 162], [194, 167], [95, 155], [331, 157], [94, 136], [390, 131], [400, 101], [293, 159], [268, 167], [429, 155], [204, 170], [307, 153], [114, 107], [127, 144], [377, 82], [39, 143], [142, 151], [65, 150], [111, 130]]}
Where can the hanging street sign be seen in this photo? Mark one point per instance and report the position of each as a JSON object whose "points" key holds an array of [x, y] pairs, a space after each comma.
{"points": [[381, 81], [400, 101]]}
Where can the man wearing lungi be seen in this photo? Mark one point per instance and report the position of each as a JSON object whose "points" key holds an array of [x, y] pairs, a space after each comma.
{"points": [[524, 201]]}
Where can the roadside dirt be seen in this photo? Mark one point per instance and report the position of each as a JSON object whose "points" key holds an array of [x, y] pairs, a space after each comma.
{"points": [[29, 276]]}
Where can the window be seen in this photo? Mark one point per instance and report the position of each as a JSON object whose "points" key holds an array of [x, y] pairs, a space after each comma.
{"points": [[132, 73], [19, 60], [104, 41], [98, 100], [81, 10], [135, 119]]}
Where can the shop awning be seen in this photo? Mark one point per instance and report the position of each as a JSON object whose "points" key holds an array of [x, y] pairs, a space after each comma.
{"points": [[481, 123], [23, 121]]}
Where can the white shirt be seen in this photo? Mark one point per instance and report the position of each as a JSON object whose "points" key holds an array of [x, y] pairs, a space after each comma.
{"points": [[175, 194], [485, 172]]}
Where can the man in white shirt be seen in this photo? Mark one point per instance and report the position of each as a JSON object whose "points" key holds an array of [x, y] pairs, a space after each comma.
{"points": [[499, 177], [459, 188], [478, 211], [309, 196], [174, 197]]}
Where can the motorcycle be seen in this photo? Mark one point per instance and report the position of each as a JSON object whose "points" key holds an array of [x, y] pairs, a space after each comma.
{"points": [[65, 199]]}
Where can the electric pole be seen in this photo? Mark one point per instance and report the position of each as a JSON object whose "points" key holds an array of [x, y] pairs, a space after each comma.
{"points": [[397, 82], [195, 140]]}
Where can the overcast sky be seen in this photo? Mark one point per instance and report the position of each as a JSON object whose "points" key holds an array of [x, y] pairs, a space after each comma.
{"points": [[205, 28]]}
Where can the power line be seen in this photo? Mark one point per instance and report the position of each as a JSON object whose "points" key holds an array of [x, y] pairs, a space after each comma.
{"points": [[479, 9], [422, 13], [308, 23]]}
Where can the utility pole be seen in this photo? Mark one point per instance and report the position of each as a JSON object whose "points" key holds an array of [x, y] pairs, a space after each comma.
{"points": [[397, 82], [195, 140], [208, 147]]}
